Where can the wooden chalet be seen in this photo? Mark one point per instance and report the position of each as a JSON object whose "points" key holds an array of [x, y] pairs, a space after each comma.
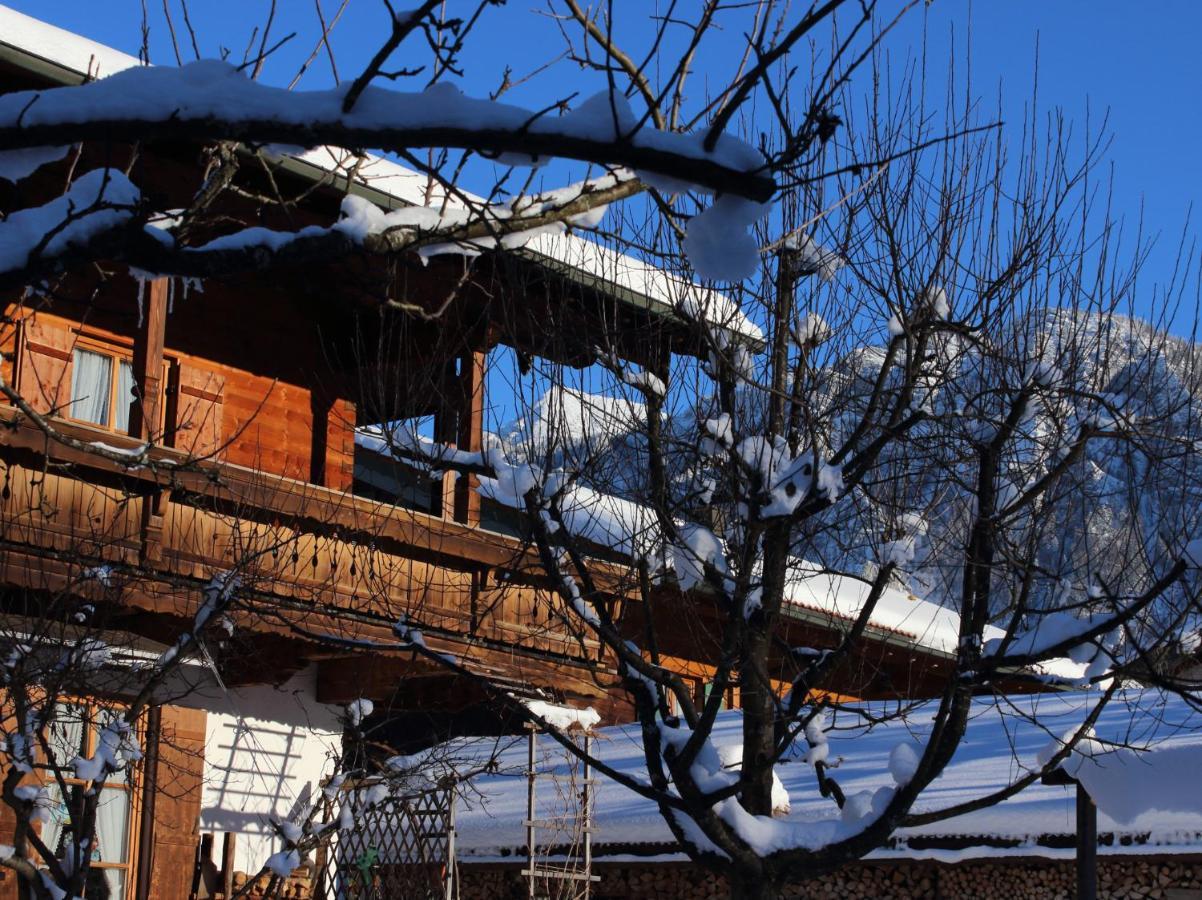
{"points": [[259, 383]]}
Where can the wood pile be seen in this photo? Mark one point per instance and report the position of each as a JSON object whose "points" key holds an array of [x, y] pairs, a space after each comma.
{"points": [[1119, 878], [299, 886]]}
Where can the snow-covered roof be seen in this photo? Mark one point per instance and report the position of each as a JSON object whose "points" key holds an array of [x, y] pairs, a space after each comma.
{"points": [[1155, 814], [65, 56], [67, 51], [922, 622]]}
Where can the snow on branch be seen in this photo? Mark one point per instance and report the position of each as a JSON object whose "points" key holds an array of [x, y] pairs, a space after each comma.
{"points": [[212, 100], [98, 202], [1059, 632]]}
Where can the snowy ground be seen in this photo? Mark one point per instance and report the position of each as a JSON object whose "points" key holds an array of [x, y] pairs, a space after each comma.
{"points": [[997, 749]]}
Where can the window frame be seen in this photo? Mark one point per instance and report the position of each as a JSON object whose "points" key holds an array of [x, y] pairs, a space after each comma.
{"points": [[117, 354], [94, 708]]}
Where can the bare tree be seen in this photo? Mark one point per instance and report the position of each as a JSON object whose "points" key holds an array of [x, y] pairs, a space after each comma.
{"points": [[948, 398], [916, 376]]}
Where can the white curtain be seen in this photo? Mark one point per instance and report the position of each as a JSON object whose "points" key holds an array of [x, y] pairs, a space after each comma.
{"points": [[66, 732], [90, 381], [52, 831], [125, 396], [112, 826]]}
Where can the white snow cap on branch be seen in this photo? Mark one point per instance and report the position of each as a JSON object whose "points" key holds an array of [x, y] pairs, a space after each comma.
{"points": [[214, 98], [358, 710], [1056, 628], [646, 382], [719, 434], [210, 89], [284, 863], [42, 807], [116, 748], [786, 477], [564, 718], [813, 329], [699, 547], [830, 481], [903, 763], [718, 240], [814, 258], [18, 164], [815, 734], [731, 756], [97, 201], [936, 299]]}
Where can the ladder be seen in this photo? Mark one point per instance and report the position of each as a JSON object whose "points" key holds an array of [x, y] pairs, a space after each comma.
{"points": [[571, 872]]}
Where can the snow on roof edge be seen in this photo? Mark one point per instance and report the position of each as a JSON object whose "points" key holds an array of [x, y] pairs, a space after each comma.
{"points": [[64, 49], [621, 272]]}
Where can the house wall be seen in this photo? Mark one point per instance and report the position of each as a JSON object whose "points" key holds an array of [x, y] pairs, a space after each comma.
{"points": [[263, 405], [1172, 878], [266, 752]]}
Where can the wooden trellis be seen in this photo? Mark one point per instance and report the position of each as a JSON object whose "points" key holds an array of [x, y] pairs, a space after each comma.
{"points": [[403, 848], [559, 826]]}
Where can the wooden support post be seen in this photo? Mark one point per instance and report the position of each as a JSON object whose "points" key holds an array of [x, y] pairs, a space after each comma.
{"points": [[146, 409], [446, 431], [1087, 834], [1087, 845], [228, 848], [332, 447], [150, 790], [531, 810], [470, 435]]}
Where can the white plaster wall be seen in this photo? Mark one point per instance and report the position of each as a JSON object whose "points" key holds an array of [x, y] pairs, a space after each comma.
{"points": [[266, 751]]}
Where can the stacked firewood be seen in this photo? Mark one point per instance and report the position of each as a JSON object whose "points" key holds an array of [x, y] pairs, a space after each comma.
{"points": [[1124, 878]]}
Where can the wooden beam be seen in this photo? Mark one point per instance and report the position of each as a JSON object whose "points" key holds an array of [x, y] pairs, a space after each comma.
{"points": [[446, 430], [154, 510], [470, 435], [146, 409]]}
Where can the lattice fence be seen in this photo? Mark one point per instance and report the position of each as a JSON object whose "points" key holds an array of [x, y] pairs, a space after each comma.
{"points": [[401, 849]]}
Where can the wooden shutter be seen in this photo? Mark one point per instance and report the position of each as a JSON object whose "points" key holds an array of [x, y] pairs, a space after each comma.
{"points": [[198, 409], [8, 828], [44, 365], [178, 779]]}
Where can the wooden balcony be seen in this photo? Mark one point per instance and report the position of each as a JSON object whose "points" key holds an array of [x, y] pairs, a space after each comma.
{"points": [[315, 563]]}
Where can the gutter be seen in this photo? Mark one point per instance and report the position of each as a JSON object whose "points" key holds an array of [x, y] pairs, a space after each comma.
{"points": [[40, 66]]}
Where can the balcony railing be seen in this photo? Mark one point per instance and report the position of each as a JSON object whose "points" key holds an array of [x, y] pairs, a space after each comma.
{"points": [[311, 553]]}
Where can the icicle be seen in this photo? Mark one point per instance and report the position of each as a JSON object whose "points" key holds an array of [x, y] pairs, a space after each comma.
{"points": [[170, 296], [191, 284], [141, 291]]}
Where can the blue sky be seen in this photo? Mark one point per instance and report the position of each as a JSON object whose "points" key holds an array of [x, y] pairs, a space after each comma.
{"points": [[1138, 64]]}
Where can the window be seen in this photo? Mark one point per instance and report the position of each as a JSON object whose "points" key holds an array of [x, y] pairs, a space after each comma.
{"points": [[74, 732], [96, 395]]}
